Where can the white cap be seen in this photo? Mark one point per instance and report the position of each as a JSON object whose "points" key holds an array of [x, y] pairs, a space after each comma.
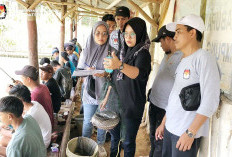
{"points": [[191, 20]]}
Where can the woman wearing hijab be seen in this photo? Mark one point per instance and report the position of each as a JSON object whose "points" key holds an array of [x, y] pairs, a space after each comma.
{"points": [[92, 57], [131, 71]]}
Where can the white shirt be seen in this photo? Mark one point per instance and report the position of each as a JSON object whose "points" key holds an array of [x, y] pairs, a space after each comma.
{"points": [[40, 115], [200, 67]]}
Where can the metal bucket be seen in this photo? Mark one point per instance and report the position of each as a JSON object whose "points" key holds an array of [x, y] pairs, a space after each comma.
{"points": [[82, 146]]}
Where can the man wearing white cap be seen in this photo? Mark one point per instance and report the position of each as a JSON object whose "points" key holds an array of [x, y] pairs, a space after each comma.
{"points": [[184, 126]]}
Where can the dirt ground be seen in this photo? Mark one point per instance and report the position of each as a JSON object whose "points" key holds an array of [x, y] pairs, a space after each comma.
{"points": [[142, 143]]}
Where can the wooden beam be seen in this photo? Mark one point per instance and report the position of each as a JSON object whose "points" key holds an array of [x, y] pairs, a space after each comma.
{"points": [[88, 16], [34, 4], [153, 1], [53, 12], [96, 9], [89, 12], [150, 20], [24, 4], [97, 3], [113, 4], [86, 6], [68, 13], [59, 3]]}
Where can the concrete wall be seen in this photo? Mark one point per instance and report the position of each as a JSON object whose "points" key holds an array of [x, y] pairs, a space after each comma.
{"points": [[217, 40]]}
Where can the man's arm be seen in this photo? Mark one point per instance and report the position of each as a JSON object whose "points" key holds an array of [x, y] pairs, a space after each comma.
{"points": [[3, 151], [185, 142]]}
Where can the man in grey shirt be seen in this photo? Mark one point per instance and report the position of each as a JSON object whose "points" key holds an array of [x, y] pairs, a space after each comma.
{"points": [[183, 129], [162, 86]]}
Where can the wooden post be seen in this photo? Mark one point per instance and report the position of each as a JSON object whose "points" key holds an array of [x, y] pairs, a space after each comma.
{"points": [[76, 21], [32, 37], [71, 26], [153, 29], [62, 29]]}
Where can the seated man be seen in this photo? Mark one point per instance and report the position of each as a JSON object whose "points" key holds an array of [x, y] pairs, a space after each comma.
{"points": [[55, 53], [27, 139], [39, 92], [72, 55], [67, 62], [34, 109], [50, 82], [63, 78]]}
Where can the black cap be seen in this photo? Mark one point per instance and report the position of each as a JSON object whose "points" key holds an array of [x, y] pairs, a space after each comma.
{"points": [[65, 55], [122, 11], [44, 60], [163, 32]]}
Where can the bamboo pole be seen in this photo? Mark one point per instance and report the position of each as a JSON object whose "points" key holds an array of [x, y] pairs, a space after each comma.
{"points": [[34, 4], [89, 12], [68, 13], [153, 1], [113, 4], [86, 6], [53, 13], [62, 30], [76, 24], [150, 20], [96, 9], [24, 4]]}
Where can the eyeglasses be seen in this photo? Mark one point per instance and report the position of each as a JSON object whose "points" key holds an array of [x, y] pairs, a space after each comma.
{"points": [[126, 35], [104, 34]]}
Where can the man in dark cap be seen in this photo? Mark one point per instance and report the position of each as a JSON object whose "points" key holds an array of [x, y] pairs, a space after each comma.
{"points": [[162, 86], [50, 82], [55, 53], [67, 62], [39, 92], [44, 60], [73, 57], [122, 15]]}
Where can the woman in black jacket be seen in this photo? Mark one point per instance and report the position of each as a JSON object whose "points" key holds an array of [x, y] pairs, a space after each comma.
{"points": [[131, 67]]}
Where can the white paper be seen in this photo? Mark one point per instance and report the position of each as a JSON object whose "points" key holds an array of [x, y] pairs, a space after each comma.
{"points": [[87, 72]]}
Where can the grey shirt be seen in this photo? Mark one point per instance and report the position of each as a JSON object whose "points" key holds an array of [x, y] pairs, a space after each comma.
{"points": [[164, 80], [200, 67]]}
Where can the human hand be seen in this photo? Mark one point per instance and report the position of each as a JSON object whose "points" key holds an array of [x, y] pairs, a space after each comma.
{"points": [[105, 74], [159, 133], [90, 68], [112, 63], [8, 88], [18, 82], [184, 143]]}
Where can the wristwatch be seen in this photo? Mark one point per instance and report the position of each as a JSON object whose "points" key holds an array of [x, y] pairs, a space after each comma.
{"points": [[121, 67], [190, 134]]}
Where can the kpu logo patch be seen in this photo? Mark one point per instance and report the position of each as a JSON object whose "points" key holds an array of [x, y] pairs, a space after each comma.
{"points": [[2, 11], [186, 74]]}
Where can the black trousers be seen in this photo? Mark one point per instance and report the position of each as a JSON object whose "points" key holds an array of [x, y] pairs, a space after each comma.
{"points": [[156, 115], [170, 150]]}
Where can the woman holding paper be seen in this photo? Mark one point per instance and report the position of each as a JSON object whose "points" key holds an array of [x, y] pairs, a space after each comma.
{"points": [[92, 57]]}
